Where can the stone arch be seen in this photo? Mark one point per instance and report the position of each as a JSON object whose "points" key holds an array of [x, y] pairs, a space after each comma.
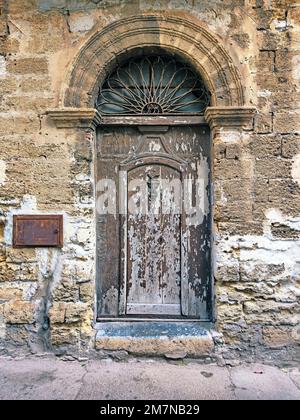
{"points": [[174, 34]]}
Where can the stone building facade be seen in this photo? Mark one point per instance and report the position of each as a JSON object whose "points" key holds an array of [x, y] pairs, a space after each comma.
{"points": [[54, 56]]}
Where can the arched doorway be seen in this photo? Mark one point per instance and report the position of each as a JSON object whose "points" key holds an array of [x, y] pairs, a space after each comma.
{"points": [[181, 35], [153, 192]]}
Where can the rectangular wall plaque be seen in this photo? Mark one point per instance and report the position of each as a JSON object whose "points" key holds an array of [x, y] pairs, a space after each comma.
{"points": [[32, 231]]}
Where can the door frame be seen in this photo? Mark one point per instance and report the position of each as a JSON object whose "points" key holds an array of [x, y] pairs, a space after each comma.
{"points": [[225, 121], [156, 124]]}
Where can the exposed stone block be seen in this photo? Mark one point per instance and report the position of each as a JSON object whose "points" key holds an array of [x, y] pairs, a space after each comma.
{"points": [[254, 168], [231, 168], [75, 312], [280, 230], [155, 339], [19, 312], [255, 272], [19, 125], [28, 66], [290, 146], [228, 273], [66, 291], [233, 151], [273, 168], [277, 337], [17, 335], [264, 122], [61, 335], [234, 211], [57, 313], [86, 292], [240, 228], [287, 122], [263, 146], [8, 293], [25, 103], [228, 191], [19, 272], [268, 306], [226, 312]]}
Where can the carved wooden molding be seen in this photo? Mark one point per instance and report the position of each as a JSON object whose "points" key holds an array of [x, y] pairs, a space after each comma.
{"points": [[152, 120], [230, 117], [74, 117], [90, 118]]}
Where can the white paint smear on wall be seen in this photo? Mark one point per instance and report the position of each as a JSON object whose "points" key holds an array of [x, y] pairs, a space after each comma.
{"points": [[2, 66], [296, 169], [296, 67], [264, 249], [2, 172]]}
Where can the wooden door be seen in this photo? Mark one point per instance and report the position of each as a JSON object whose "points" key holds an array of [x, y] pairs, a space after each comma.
{"points": [[154, 246], [153, 254]]}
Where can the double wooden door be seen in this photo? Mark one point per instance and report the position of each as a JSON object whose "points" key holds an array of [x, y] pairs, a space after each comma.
{"points": [[154, 222]]}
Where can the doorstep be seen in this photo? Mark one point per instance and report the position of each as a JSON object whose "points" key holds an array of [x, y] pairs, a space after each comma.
{"points": [[155, 338]]}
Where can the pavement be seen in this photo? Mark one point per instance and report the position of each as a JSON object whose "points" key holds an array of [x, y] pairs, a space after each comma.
{"points": [[53, 379]]}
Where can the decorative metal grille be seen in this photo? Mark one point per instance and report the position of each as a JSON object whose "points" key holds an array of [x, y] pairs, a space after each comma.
{"points": [[153, 85]]}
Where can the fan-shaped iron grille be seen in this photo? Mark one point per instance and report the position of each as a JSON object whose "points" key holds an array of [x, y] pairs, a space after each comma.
{"points": [[153, 85]]}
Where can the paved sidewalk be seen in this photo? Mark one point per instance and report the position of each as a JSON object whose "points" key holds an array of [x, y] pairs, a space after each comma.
{"points": [[47, 378]]}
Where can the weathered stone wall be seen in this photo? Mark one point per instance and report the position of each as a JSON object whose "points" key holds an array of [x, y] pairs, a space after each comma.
{"points": [[47, 297]]}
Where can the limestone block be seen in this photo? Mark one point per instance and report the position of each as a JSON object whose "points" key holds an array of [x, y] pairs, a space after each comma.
{"points": [[80, 22], [17, 335], [257, 272], [57, 313], [21, 255], [228, 272], [66, 291], [230, 169], [287, 122], [276, 337], [35, 84], [230, 313], [86, 292], [238, 210], [19, 312], [154, 339], [290, 146], [264, 121], [64, 336], [19, 272], [75, 312], [28, 66], [8, 293], [240, 228], [268, 306], [265, 146], [10, 125]]}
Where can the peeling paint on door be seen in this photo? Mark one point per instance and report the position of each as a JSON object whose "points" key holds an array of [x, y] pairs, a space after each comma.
{"points": [[154, 258]]}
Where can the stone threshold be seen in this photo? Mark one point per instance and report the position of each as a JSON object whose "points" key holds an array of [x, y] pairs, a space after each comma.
{"points": [[154, 338]]}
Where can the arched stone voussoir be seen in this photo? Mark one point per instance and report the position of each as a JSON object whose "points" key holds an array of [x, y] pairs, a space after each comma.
{"points": [[179, 35]]}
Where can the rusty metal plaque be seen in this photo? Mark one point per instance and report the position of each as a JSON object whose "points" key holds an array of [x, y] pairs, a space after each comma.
{"points": [[38, 231]]}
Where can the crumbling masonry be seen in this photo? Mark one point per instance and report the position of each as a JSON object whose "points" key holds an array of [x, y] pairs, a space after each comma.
{"points": [[53, 57]]}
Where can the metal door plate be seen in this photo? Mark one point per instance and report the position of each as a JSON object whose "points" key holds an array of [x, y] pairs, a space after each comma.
{"points": [[31, 231]]}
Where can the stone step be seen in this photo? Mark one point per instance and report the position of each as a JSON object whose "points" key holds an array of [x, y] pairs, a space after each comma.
{"points": [[155, 338]]}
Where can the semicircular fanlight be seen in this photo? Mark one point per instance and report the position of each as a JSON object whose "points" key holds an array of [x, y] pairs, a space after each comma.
{"points": [[153, 85]]}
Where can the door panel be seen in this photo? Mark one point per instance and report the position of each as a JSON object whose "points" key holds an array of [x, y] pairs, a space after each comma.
{"points": [[155, 263], [153, 243]]}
